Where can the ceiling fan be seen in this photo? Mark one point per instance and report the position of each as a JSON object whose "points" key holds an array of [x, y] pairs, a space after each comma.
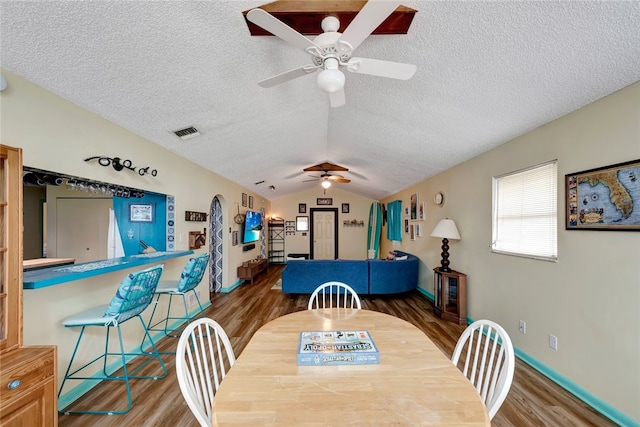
{"points": [[326, 178], [332, 51]]}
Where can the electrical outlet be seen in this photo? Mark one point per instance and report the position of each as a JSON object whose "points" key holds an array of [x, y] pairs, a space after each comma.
{"points": [[553, 341], [523, 327]]}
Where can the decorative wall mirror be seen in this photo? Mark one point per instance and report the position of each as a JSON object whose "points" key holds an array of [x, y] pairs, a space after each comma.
{"points": [[302, 223]]}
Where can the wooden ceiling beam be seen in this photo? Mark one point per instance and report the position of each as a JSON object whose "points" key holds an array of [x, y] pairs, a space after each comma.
{"points": [[305, 16]]}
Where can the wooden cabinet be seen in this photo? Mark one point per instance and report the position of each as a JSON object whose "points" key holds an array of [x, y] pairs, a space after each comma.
{"points": [[450, 295], [27, 373], [250, 269]]}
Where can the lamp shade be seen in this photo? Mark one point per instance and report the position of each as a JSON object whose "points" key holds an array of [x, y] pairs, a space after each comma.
{"points": [[446, 229]]}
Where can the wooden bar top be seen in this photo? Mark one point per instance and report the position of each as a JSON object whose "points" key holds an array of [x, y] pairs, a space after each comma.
{"points": [[414, 383], [32, 264]]}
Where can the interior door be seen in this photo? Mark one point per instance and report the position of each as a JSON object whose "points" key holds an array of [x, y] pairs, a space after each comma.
{"points": [[82, 226], [324, 233]]}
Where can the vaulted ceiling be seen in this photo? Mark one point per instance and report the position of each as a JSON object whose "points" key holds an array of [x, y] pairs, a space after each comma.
{"points": [[486, 72]]}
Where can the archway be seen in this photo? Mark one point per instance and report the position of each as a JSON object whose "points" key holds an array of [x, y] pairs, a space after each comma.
{"points": [[216, 246]]}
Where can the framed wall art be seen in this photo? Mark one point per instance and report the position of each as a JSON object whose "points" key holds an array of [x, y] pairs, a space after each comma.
{"points": [[345, 208], [250, 202], [324, 201], [302, 208], [605, 198], [413, 206], [141, 212], [244, 200]]}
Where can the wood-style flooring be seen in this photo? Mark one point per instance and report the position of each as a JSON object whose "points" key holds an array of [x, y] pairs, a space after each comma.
{"points": [[532, 401]]}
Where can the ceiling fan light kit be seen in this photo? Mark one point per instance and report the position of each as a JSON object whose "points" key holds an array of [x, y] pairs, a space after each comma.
{"points": [[331, 80], [332, 50]]}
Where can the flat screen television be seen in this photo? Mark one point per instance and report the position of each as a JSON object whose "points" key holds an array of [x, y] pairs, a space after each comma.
{"points": [[252, 227]]}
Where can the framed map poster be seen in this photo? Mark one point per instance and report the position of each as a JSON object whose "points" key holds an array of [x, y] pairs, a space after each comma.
{"points": [[606, 198]]}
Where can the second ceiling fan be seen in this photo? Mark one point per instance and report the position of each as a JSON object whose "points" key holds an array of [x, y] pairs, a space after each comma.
{"points": [[326, 178], [331, 51]]}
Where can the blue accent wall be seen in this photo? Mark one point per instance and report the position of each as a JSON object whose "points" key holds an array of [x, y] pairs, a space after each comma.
{"points": [[153, 233]]}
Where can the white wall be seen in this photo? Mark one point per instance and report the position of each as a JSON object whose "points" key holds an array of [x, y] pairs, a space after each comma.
{"points": [[590, 298], [352, 240]]}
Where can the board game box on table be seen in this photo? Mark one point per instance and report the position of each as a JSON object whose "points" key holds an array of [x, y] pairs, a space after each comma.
{"points": [[337, 348]]}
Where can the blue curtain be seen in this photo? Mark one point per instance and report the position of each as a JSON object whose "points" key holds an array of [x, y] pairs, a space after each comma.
{"points": [[394, 220]]}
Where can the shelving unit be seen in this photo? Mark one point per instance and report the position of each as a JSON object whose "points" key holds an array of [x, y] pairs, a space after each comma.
{"points": [[276, 241]]}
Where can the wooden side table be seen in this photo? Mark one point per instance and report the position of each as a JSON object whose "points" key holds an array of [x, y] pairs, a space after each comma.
{"points": [[252, 269], [450, 295]]}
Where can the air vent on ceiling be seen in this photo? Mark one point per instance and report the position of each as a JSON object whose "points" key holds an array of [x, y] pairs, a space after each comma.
{"points": [[187, 133]]}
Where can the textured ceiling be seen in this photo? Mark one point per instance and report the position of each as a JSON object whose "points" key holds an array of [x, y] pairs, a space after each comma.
{"points": [[487, 72]]}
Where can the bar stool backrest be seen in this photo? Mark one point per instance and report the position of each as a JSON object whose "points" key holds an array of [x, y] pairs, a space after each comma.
{"points": [[192, 273], [134, 294]]}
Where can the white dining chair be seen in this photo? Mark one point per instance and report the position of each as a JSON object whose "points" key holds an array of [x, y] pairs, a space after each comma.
{"points": [[489, 361], [334, 294], [203, 357]]}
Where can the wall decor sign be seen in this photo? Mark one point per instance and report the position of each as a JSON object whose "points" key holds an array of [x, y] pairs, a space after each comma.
{"points": [[141, 212], [195, 216], [244, 200], [606, 198], [302, 208], [345, 208], [250, 202], [324, 201]]}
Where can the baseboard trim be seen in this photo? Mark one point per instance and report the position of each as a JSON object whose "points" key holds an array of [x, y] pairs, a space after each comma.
{"points": [[596, 403], [229, 289]]}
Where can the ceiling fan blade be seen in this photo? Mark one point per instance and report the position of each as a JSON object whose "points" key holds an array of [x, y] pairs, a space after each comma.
{"points": [[377, 67], [335, 177], [337, 99], [367, 20], [287, 75], [344, 180], [278, 28]]}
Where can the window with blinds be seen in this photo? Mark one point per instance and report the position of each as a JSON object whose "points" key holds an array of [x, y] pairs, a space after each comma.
{"points": [[525, 212]]}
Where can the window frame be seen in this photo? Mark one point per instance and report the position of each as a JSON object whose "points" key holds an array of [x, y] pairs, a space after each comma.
{"points": [[552, 215]]}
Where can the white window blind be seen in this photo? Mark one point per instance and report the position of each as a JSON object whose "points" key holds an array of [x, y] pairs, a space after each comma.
{"points": [[525, 212]]}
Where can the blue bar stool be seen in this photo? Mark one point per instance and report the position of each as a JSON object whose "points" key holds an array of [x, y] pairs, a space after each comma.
{"points": [[190, 278], [133, 296]]}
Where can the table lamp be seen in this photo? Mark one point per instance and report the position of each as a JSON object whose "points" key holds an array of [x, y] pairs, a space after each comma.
{"points": [[446, 229]]}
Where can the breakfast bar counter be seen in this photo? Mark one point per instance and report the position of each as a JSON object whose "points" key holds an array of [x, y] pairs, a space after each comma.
{"points": [[43, 277]]}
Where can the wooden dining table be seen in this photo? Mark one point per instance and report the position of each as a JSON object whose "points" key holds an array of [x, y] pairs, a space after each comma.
{"points": [[413, 384]]}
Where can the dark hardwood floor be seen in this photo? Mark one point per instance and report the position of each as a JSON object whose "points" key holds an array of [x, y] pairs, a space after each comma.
{"points": [[532, 401]]}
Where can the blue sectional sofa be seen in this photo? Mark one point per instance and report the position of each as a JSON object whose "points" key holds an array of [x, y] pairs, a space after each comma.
{"points": [[375, 276]]}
